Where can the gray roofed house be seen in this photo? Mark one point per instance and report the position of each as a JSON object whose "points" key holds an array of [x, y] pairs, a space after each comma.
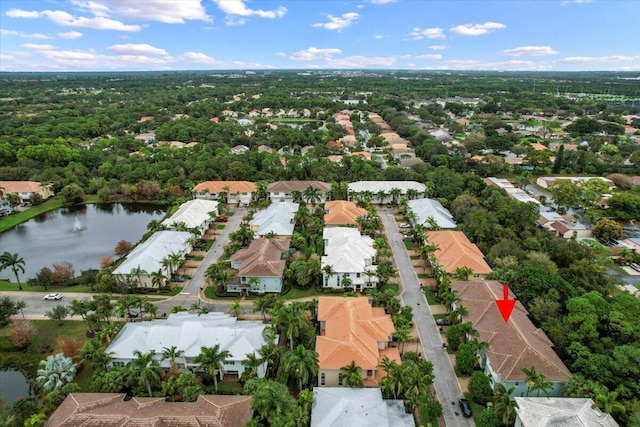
{"points": [[277, 218], [350, 255], [147, 256], [190, 332], [374, 187], [430, 208], [356, 407], [281, 191], [560, 412]]}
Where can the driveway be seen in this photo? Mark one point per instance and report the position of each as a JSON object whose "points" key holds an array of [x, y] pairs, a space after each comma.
{"points": [[191, 292], [446, 383]]}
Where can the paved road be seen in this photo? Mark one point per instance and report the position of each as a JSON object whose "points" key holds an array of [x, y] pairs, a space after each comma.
{"points": [[446, 383], [37, 306], [191, 292]]}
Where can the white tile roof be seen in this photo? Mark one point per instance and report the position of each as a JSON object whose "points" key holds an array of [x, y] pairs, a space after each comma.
{"points": [[386, 186], [560, 412], [278, 217], [347, 251], [189, 332], [148, 255], [356, 407], [425, 208], [193, 213]]}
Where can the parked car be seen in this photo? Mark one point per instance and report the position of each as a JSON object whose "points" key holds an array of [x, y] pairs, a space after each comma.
{"points": [[132, 313], [405, 225], [221, 218], [443, 321], [50, 297], [465, 407], [177, 279]]}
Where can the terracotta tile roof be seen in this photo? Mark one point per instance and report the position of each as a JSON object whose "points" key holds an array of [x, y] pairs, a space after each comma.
{"points": [[109, 409], [455, 250], [263, 258], [514, 344], [20, 186], [352, 331], [289, 186], [219, 186], [342, 212]]}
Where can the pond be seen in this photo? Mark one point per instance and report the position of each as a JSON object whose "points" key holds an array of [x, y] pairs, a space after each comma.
{"points": [[81, 235], [13, 384]]}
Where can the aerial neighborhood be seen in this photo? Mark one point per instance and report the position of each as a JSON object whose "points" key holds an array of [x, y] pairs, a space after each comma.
{"points": [[322, 260]]}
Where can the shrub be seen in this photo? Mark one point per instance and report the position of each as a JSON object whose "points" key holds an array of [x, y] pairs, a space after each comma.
{"points": [[22, 333]]}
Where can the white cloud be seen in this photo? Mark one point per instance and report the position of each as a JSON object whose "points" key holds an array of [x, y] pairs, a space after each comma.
{"points": [[136, 49], [66, 19], [530, 51], [595, 59], [176, 12], [197, 57], [281, 54], [19, 13], [427, 56], [234, 21], [430, 33], [516, 64], [438, 47], [378, 36], [313, 53], [237, 7], [361, 61], [40, 36], [338, 22], [476, 29], [36, 46], [70, 35]]}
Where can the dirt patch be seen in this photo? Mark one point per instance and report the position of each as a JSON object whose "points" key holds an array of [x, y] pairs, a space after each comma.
{"points": [[191, 263], [198, 253], [438, 309]]}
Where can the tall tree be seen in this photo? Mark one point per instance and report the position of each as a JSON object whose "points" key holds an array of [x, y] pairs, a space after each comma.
{"points": [[301, 363], [211, 361], [146, 368], [352, 376], [16, 262]]}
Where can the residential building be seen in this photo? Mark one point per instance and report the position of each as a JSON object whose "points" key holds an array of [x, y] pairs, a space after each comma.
{"points": [[512, 345], [454, 250], [373, 188], [260, 266], [277, 219], [569, 229], [350, 257], [352, 330], [282, 191], [428, 211], [239, 149], [357, 407], [25, 189], [237, 192], [146, 258], [342, 213], [5, 208], [196, 213], [548, 181], [512, 191], [190, 332], [545, 412], [110, 409]]}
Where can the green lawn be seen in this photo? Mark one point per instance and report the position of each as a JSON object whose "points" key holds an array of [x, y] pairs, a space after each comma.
{"points": [[13, 286], [431, 298], [408, 243], [476, 410]]}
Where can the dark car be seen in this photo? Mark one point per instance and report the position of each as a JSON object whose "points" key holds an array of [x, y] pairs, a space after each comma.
{"points": [[443, 321], [132, 313], [177, 279], [465, 407]]}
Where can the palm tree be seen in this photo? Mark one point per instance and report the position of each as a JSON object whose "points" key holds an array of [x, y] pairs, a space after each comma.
{"points": [[157, 278], [251, 365], [147, 369], [56, 371], [381, 195], [171, 354], [302, 363], [395, 194], [211, 360], [311, 195], [235, 308], [176, 259], [608, 402], [94, 352], [392, 382], [327, 271], [467, 330], [504, 405], [155, 225], [290, 321], [351, 375], [541, 385], [16, 262], [412, 193], [456, 315], [531, 377], [346, 281], [462, 273]]}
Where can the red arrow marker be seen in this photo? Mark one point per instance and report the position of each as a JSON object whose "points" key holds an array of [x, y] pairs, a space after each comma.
{"points": [[506, 305]]}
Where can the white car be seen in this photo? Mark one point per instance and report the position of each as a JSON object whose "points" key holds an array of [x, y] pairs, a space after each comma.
{"points": [[55, 296], [405, 225]]}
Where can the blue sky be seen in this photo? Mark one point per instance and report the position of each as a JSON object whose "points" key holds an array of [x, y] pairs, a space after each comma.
{"points": [[103, 35]]}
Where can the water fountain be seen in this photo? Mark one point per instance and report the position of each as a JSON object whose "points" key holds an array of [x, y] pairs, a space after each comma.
{"points": [[77, 226]]}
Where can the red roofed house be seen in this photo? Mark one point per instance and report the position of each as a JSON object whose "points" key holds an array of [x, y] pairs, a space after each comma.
{"points": [[260, 266], [238, 192], [456, 251], [25, 189], [341, 213], [512, 345], [110, 409], [352, 330]]}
